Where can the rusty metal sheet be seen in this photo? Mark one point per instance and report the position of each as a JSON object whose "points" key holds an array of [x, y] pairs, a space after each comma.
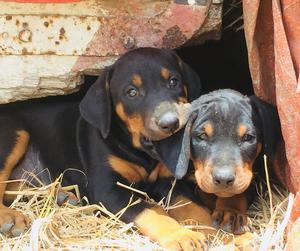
{"points": [[89, 32], [100, 35]]}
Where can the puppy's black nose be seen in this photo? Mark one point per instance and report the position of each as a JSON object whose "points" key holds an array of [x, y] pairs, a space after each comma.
{"points": [[168, 122], [224, 178]]}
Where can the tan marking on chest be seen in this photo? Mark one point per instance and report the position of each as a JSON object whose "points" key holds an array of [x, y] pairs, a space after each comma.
{"points": [[128, 170]]}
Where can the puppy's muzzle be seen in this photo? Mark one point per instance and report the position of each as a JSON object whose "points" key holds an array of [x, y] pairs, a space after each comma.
{"points": [[166, 119]]}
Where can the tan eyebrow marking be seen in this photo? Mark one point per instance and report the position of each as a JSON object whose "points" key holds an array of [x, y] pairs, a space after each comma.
{"points": [[209, 129], [165, 73], [137, 80], [241, 130]]}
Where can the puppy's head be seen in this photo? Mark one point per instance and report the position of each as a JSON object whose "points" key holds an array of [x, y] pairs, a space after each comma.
{"points": [[226, 133], [225, 142], [148, 89]]}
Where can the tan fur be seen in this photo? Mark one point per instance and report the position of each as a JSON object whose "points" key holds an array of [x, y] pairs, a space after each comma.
{"points": [[128, 170], [137, 80], [160, 227], [134, 124], [182, 100], [241, 130], [154, 174], [159, 171], [209, 129], [164, 172], [12, 159], [205, 182], [165, 73], [190, 211], [237, 203], [185, 90]]}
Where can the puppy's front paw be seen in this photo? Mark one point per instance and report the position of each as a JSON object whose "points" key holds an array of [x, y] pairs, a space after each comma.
{"points": [[64, 196], [185, 240], [231, 221], [12, 221]]}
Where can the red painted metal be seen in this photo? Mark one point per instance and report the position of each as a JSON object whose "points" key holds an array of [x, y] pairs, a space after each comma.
{"points": [[121, 33], [42, 1]]}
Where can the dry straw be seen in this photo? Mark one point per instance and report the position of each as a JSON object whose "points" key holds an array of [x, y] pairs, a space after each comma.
{"points": [[93, 227]]}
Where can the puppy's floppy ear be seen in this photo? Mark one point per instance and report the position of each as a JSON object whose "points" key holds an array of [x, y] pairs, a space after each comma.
{"points": [[95, 107], [190, 78], [192, 81], [269, 123], [174, 151]]}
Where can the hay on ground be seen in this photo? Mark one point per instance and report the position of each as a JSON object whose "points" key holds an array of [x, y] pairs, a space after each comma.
{"points": [[93, 227]]}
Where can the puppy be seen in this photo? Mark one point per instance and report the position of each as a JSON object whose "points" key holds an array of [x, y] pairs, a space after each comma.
{"points": [[224, 140], [142, 97]]}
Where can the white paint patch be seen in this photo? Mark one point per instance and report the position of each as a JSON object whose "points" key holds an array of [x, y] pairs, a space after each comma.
{"points": [[191, 2]]}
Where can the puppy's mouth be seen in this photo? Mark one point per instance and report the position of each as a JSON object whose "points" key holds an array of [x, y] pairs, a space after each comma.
{"points": [[152, 135], [145, 141], [148, 147], [225, 195], [227, 192]]}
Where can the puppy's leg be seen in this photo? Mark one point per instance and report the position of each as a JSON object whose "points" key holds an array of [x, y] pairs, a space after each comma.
{"points": [[189, 210], [165, 227], [152, 220], [161, 227], [188, 207], [13, 144]]}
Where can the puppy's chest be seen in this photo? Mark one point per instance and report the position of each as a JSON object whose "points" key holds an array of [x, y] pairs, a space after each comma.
{"points": [[133, 167], [208, 199]]}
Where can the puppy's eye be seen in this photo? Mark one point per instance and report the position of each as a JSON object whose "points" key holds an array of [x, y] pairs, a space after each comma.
{"points": [[247, 137], [202, 136], [132, 92], [173, 82]]}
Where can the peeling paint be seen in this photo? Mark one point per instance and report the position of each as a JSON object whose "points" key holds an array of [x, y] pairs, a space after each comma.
{"points": [[174, 37], [25, 35], [35, 32], [53, 47]]}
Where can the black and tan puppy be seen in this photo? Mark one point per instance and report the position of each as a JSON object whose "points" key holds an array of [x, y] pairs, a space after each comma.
{"points": [[141, 97], [223, 138]]}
